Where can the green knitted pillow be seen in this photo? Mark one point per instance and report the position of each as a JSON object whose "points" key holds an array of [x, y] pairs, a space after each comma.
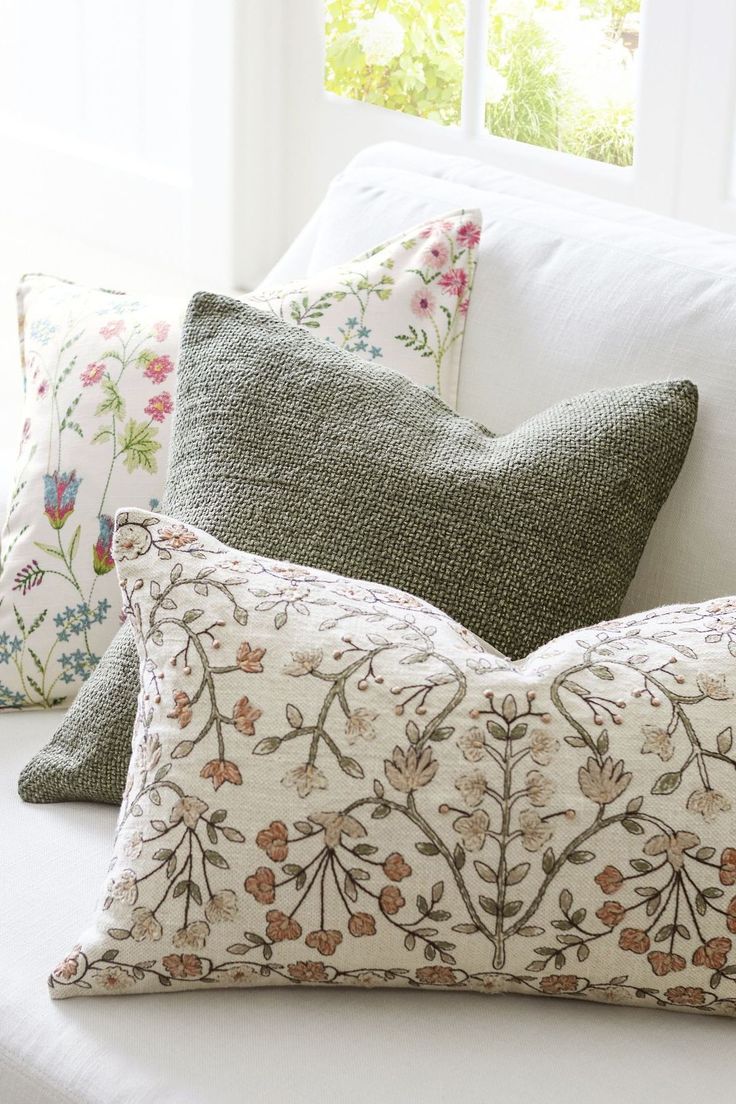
{"points": [[299, 451]]}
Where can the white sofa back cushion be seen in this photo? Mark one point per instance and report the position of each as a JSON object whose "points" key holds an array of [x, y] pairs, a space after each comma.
{"points": [[574, 293]]}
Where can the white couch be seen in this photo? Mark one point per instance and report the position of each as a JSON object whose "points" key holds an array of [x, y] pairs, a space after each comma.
{"points": [[571, 293]]}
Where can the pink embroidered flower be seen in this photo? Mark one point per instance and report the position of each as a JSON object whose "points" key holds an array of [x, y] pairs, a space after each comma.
{"points": [[159, 406], [159, 368], [434, 227], [43, 388], [93, 373], [112, 329], [454, 281], [422, 303], [469, 234], [463, 307], [436, 255], [161, 330]]}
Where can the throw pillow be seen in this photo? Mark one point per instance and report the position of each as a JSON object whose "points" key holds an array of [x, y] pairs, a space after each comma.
{"points": [[297, 450], [100, 372], [360, 795]]}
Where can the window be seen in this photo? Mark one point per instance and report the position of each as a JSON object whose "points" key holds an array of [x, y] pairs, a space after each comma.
{"points": [[553, 73]]}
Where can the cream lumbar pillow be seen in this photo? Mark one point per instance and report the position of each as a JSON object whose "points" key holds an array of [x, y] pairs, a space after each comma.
{"points": [[334, 783], [100, 371]]}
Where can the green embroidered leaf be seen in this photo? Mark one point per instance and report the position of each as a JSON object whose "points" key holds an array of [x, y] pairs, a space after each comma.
{"points": [[216, 859], [112, 403], [724, 740], [294, 717], [75, 543], [667, 783], [49, 550], [139, 446], [484, 871]]}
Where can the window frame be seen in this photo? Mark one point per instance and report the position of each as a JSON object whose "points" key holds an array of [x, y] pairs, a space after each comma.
{"points": [[682, 74]]}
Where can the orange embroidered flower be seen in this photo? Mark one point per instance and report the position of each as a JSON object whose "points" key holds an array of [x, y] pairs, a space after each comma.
{"points": [[395, 867], [274, 840], [324, 942], [261, 885], [221, 770], [183, 966], [391, 900], [731, 915], [727, 873], [436, 975], [245, 716], [281, 927], [611, 913], [68, 966], [610, 879], [178, 536], [307, 971], [182, 711], [249, 659], [663, 963], [361, 923], [682, 994], [713, 954], [559, 983], [635, 940]]}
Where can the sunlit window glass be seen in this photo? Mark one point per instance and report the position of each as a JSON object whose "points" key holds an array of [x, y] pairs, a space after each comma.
{"points": [[406, 55], [561, 74]]}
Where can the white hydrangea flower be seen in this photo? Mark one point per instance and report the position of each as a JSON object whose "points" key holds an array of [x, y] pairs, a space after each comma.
{"points": [[381, 38]]}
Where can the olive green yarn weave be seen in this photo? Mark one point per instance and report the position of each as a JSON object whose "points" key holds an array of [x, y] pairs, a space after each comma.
{"points": [[296, 450]]}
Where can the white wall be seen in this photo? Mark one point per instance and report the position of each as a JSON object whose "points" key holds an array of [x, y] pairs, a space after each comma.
{"points": [[107, 110]]}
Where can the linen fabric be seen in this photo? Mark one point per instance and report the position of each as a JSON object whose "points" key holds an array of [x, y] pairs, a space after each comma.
{"points": [[300, 451], [334, 784], [100, 371]]}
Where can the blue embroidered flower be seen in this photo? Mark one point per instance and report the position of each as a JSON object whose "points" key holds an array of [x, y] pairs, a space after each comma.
{"points": [[75, 620], [10, 699], [375, 352], [42, 331], [77, 664], [59, 496], [9, 646]]}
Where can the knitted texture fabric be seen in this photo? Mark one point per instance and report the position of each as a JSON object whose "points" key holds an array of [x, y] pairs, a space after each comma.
{"points": [[299, 451]]}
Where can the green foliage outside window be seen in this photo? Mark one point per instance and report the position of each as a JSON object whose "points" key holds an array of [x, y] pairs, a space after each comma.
{"points": [[560, 73]]}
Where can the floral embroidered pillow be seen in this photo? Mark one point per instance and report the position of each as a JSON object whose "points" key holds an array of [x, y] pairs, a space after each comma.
{"points": [[99, 383], [100, 374], [344, 787], [402, 304]]}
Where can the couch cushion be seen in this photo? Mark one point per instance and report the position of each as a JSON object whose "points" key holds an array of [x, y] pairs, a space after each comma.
{"points": [[574, 292]]}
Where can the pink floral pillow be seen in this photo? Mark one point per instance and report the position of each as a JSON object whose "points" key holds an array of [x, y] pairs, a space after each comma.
{"points": [[99, 372], [402, 304]]}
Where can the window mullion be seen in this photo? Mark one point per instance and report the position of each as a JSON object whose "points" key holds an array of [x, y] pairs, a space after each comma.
{"points": [[474, 69]]}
